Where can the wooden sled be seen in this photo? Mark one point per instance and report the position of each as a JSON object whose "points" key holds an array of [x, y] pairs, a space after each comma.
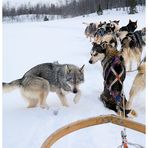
{"points": [[90, 122]]}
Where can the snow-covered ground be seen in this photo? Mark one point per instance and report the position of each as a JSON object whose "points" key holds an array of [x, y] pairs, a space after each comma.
{"points": [[28, 44], [30, 18]]}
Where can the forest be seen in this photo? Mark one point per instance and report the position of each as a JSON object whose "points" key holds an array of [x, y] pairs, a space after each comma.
{"points": [[72, 8]]}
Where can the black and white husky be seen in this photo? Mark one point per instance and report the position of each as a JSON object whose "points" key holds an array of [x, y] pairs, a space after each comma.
{"points": [[123, 31], [114, 75], [132, 47]]}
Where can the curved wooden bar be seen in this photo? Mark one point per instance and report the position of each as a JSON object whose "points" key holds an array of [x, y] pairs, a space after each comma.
{"points": [[90, 122]]}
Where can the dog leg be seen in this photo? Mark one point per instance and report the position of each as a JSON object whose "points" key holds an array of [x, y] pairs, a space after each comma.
{"points": [[132, 94], [77, 97], [42, 100], [138, 60], [132, 114], [62, 99], [35, 88], [127, 60], [90, 39], [137, 86], [32, 103], [130, 65]]}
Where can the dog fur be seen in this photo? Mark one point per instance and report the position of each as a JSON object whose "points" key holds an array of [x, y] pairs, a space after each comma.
{"points": [[48, 77], [90, 30], [132, 47], [109, 38], [107, 32], [104, 52], [138, 85], [123, 31]]}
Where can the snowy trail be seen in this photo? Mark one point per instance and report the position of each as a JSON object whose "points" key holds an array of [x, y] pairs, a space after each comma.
{"points": [[29, 44]]}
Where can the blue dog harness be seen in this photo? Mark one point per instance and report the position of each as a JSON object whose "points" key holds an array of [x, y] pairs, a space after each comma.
{"points": [[100, 31]]}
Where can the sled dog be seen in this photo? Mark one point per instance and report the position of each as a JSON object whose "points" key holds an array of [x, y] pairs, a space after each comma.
{"points": [[114, 74], [132, 47], [107, 32], [48, 77], [139, 83], [90, 30], [123, 31]]}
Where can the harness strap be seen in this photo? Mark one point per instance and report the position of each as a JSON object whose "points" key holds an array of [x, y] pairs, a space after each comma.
{"points": [[104, 71], [107, 65], [117, 77]]}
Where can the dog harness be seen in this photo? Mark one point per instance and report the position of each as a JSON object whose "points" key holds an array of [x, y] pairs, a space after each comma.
{"points": [[110, 67], [100, 32]]}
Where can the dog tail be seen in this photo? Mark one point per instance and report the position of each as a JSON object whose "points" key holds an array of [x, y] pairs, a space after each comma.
{"points": [[8, 87], [85, 23]]}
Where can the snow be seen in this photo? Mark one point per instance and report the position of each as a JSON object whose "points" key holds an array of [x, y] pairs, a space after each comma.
{"points": [[28, 44], [30, 18]]}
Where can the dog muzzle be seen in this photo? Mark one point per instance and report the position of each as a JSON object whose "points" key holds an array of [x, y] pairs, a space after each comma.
{"points": [[90, 61], [75, 90]]}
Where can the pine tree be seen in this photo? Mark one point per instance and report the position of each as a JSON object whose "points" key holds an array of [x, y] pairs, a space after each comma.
{"points": [[99, 10], [46, 18], [132, 5]]}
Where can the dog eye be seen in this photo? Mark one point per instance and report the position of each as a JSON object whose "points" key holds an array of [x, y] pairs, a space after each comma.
{"points": [[69, 78], [95, 54], [82, 79]]}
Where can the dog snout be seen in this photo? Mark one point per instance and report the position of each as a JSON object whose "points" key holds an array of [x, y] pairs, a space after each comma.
{"points": [[75, 90], [90, 61]]}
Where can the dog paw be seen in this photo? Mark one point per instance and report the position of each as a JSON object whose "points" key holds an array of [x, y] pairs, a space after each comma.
{"points": [[128, 105], [31, 106], [66, 105], [76, 100], [133, 113], [44, 106]]}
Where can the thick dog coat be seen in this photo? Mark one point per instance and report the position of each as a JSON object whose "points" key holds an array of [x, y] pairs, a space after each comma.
{"points": [[38, 81]]}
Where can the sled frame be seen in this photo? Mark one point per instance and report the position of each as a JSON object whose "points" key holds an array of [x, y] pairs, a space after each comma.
{"points": [[74, 126]]}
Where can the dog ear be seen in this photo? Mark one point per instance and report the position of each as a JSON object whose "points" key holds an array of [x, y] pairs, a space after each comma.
{"points": [[94, 44], [56, 62], [118, 22], [143, 30], [67, 69], [82, 68], [104, 45], [130, 21]]}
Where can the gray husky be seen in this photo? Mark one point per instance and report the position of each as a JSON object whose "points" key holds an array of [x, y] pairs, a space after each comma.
{"points": [[90, 30], [38, 81]]}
